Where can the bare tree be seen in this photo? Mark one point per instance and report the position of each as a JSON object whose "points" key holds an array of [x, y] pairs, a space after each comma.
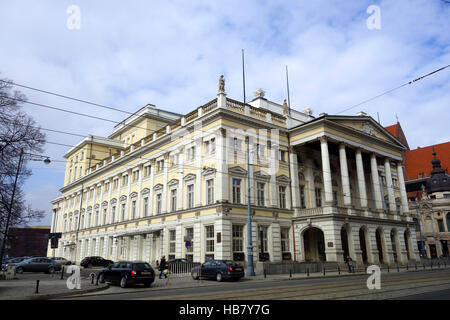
{"points": [[18, 133]]}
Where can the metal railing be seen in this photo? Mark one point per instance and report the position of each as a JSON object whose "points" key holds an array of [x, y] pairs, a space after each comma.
{"points": [[182, 269]]}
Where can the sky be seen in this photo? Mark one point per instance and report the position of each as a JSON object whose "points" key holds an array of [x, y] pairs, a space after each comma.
{"points": [[126, 54]]}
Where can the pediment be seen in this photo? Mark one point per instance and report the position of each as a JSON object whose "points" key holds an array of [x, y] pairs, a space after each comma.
{"points": [[113, 201], [283, 178], [173, 182], [159, 186], [133, 195], [367, 126], [123, 198], [237, 171], [190, 176], [145, 191]]}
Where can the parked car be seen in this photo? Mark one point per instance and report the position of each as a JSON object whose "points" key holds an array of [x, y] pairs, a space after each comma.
{"points": [[12, 261], [128, 272], [219, 270], [95, 261], [41, 264], [62, 261]]}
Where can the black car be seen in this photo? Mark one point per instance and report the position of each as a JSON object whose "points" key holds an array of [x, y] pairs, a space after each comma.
{"points": [[219, 270], [128, 272], [95, 261]]}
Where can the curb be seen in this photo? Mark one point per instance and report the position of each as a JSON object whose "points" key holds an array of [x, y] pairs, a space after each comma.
{"points": [[64, 294]]}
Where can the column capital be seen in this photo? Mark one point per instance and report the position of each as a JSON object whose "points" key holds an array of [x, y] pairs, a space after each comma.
{"points": [[323, 139], [223, 132]]}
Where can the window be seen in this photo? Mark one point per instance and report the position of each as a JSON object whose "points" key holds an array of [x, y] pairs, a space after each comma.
{"points": [[238, 238], [90, 219], [115, 184], [133, 209], [124, 180], [82, 222], [122, 218], [263, 229], [97, 216], [113, 214], [147, 171], [236, 190], [282, 155], [172, 241], [210, 191], [213, 145], [145, 206], [99, 191], [446, 195], [81, 171], [135, 176], [173, 160], [70, 175], [160, 165], [282, 193], [107, 186], [105, 211], [75, 174], [191, 153], [318, 193], [206, 147], [209, 232], [441, 225], [91, 193], [284, 239], [236, 144], [158, 203], [302, 197], [260, 193], [190, 196], [173, 200], [82, 155], [190, 235]]}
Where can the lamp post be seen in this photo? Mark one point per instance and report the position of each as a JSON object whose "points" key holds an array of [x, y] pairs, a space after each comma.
{"points": [[250, 268], [422, 244], [8, 218]]}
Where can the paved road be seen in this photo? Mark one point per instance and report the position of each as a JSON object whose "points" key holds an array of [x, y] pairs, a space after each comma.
{"points": [[393, 286]]}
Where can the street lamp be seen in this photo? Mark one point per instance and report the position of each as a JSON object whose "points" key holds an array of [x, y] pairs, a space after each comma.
{"points": [[36, 158], [422, 244]]}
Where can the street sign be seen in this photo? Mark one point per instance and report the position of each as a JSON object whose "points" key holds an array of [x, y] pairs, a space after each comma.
{"points": [[188, 244], [53, 237]]}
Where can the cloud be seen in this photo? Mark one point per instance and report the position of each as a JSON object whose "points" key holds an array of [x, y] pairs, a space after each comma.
{"points": [[170, 54]]}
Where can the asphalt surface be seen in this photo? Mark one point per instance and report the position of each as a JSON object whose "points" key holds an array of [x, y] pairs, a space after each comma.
{"points": [[430, 284]]}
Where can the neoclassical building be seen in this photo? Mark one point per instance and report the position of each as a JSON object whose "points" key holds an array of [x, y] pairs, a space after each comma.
{"points": [[161, 183]]}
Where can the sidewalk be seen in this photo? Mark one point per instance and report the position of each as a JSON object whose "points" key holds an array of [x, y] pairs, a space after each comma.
{"points": [[24, 287]]}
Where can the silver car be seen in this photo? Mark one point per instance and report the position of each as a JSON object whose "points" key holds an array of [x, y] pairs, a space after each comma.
{"points": [[12, 261], [38, 264], [62, 261]]}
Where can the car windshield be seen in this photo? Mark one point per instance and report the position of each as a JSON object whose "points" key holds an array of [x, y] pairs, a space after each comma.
{"points": [[141, 266], [230, 263]]}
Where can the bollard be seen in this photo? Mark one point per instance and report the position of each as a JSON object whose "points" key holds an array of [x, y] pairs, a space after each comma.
{"points": [[339, 270], [96, 280], [323, 270], [264, 273], [290, 273], [37, 286], [388, 268], [92, 278], [62, 273], [307, 272]]}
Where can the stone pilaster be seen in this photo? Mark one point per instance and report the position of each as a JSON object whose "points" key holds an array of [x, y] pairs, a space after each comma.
{"points": [[376, 182], [344, 176], [361, 179], [326, 169]]}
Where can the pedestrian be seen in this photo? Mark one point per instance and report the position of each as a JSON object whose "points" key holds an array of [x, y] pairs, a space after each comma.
{"points": [[163, 267], [349, 263]]}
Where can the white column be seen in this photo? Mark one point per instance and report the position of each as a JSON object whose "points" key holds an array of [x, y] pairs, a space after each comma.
{"points": [[326, 170], [127, 206], [376, 182], [344, 175], [197, 243], [222, 167], [295, 186], [390, 187], [401, 182], [180, 180], [361, 179]]}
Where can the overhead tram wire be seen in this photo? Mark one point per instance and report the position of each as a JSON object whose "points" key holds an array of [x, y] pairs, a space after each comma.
{"points": [[394, 89]]}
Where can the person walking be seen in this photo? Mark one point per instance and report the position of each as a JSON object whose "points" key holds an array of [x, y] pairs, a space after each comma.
{"points": [[349, 263], [163, 266]]}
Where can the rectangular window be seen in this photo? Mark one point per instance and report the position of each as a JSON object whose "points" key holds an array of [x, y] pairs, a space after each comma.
{"points": [[136, 176], [160, 165], [260, 193], [113, 214], [264, 238], [123, 212], [318, 193], [213, 145], [209, 233], [210, 191], [282, 193], [147, 171], [105, 212], [124, 180], [97, 214], [133, 209], [284, 239], [191, 153], [158, 203], [145, 206], [190, 235], [172, 241], [190, 196], [237, 190], [282, 155], [302, 197], [441, 225], [173, 200], [206, 147], [238, 238], [115, 184]]}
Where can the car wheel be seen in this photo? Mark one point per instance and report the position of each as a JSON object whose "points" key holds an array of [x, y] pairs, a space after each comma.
{"points": [[101, 278], [195, 275], [51, 270], [219, 277], [123, 282], [19, 270]]}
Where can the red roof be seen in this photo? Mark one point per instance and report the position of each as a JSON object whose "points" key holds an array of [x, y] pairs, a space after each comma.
{"points": [[393, 129], [397, 131], [418, 161]]}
